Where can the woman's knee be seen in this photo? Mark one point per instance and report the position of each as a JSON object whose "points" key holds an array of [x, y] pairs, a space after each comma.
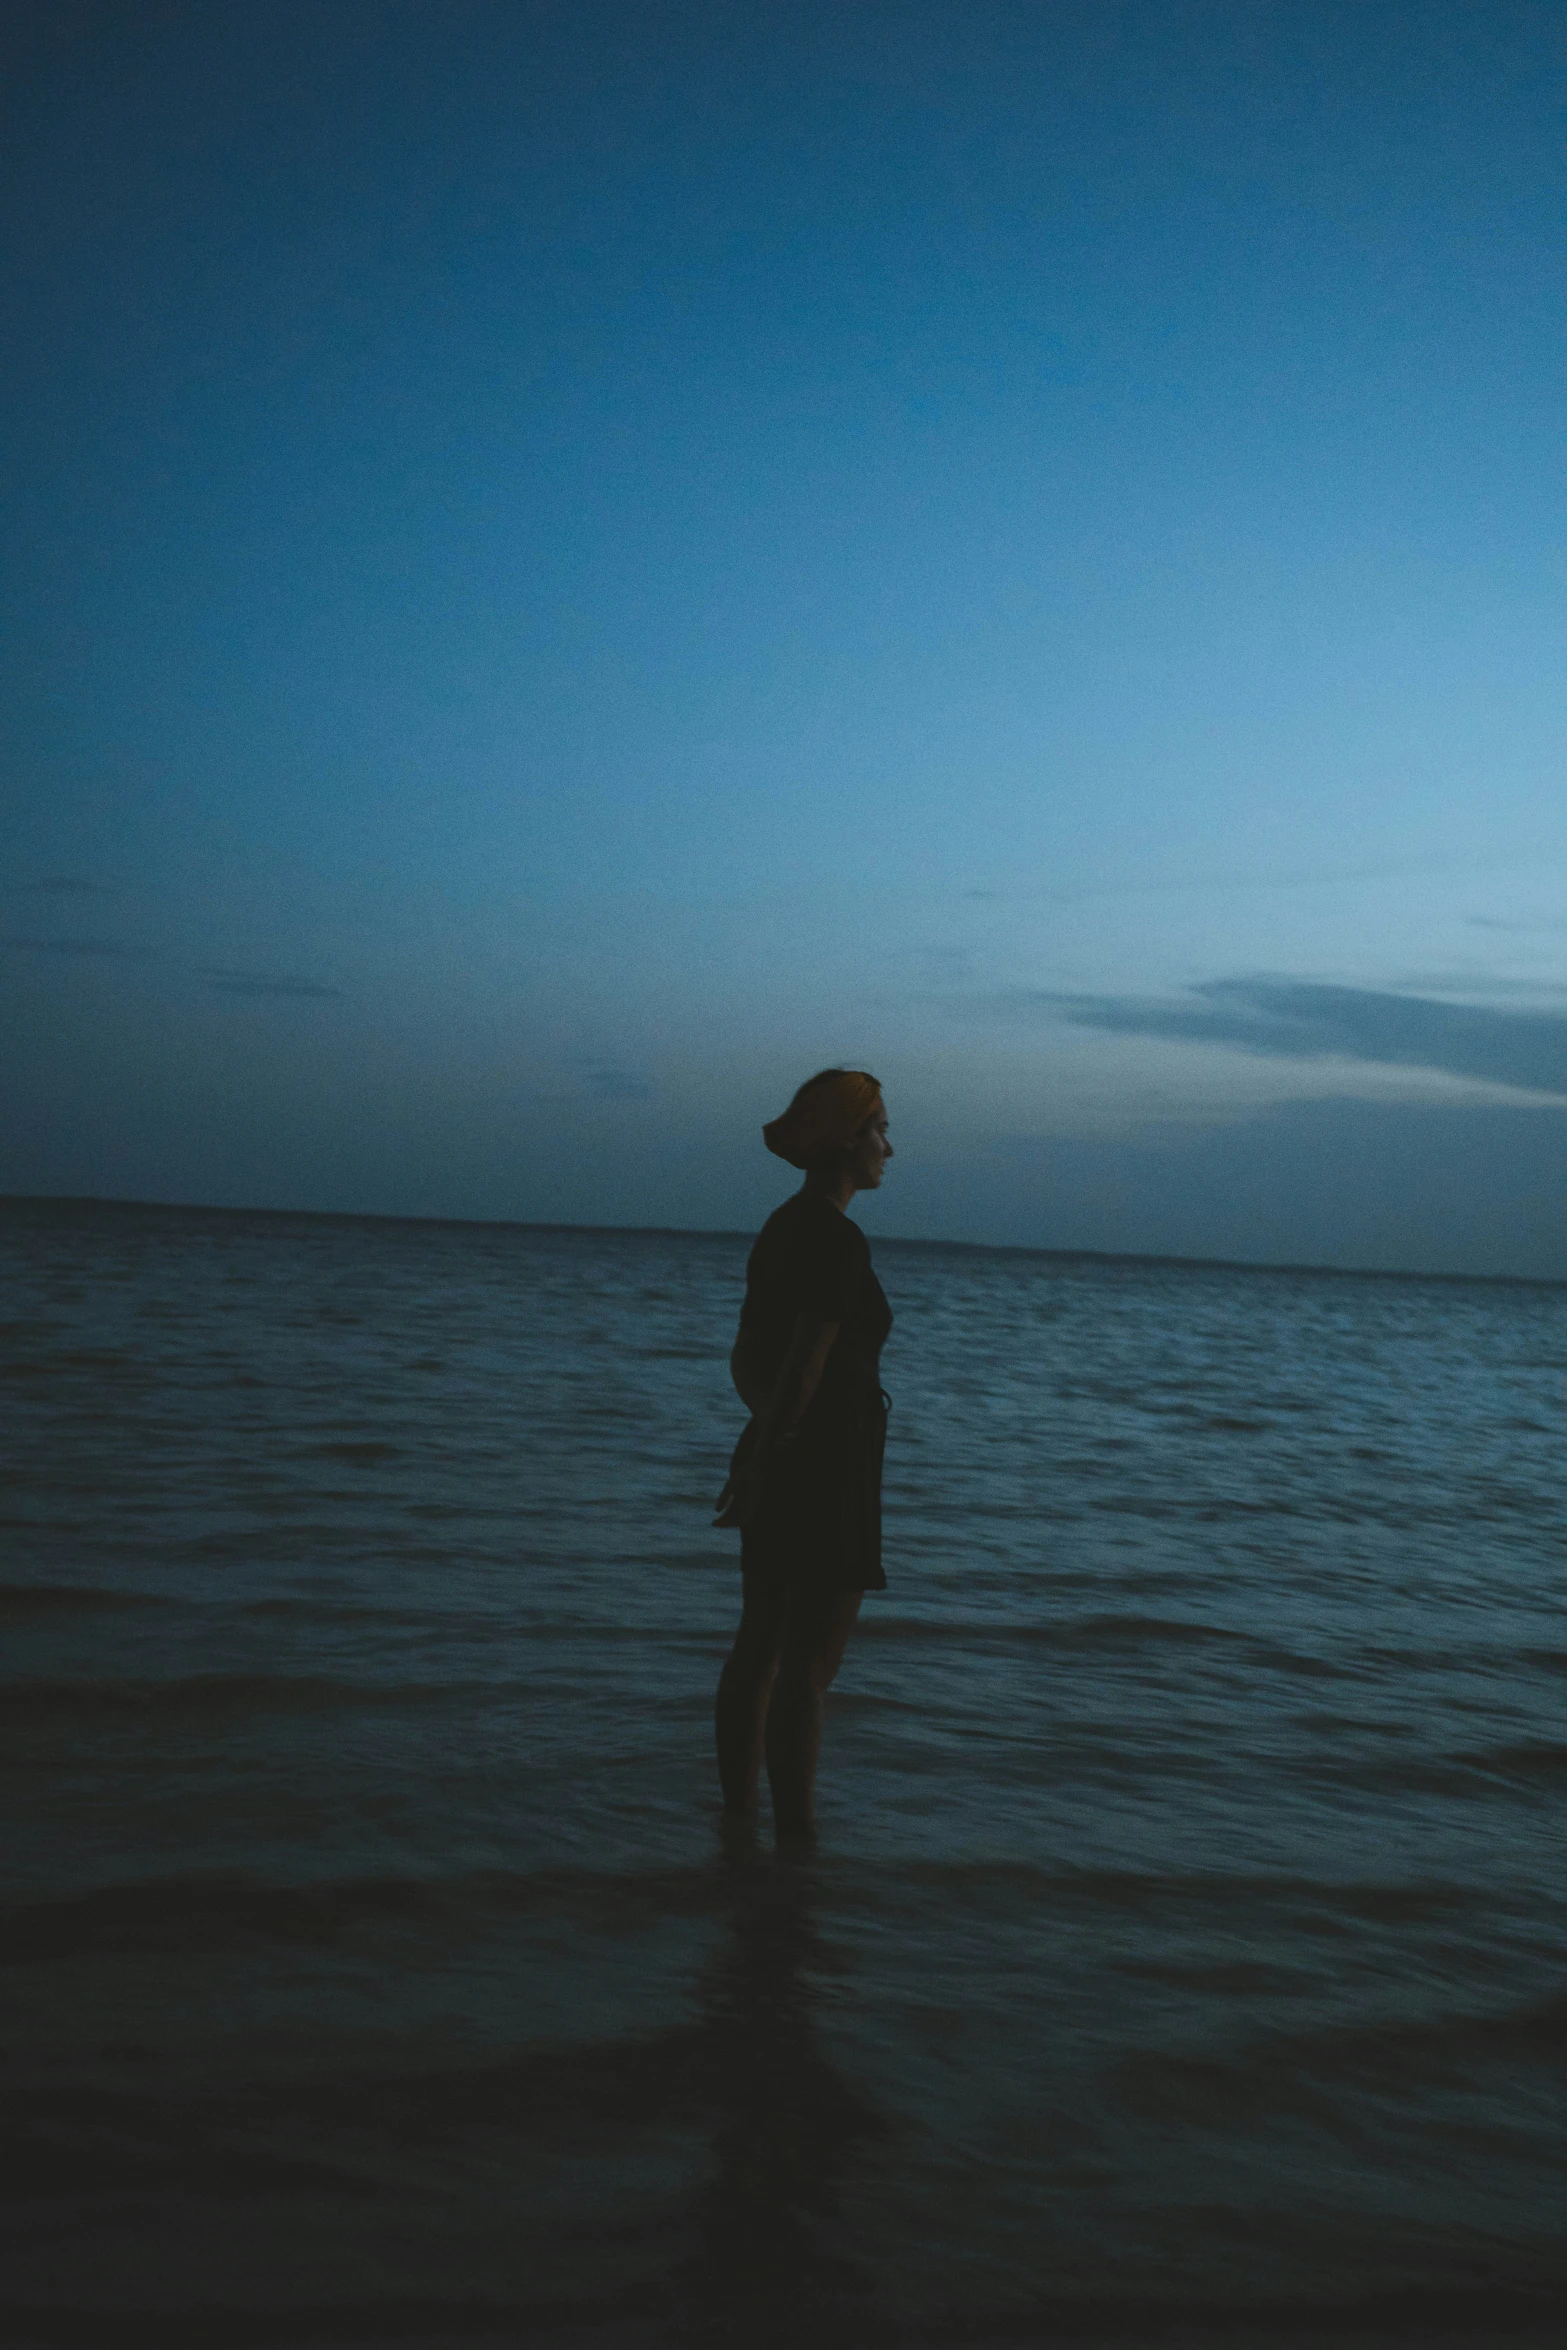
{"points": [[808, 1668], [818, 1637], [753, 1660]]}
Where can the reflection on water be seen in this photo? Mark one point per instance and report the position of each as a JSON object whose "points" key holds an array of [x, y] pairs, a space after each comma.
{"points": [[771, 2262]]}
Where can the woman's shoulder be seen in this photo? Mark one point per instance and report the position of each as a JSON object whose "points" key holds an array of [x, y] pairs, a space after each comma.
{"points": [[806, 1225], [807, 1213]]}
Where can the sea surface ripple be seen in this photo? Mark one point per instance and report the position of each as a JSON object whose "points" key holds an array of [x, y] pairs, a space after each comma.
{"points": [[1184, 1949]]}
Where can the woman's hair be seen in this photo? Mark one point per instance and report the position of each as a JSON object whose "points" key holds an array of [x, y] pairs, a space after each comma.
{"points": [[818, 1129], [836, 1156], [837, 1070]]}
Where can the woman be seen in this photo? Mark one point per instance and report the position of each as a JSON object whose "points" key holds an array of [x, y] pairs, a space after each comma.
{"points": [[805, 1482]]}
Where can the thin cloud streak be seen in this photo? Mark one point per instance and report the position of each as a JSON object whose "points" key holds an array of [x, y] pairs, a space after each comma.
{"points": [[1264, 881], [259, 984], [225, 979], [75, 946], [1303, 1020]]}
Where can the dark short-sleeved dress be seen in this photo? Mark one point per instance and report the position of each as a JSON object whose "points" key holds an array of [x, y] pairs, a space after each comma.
{"points": [[818, 1517]]}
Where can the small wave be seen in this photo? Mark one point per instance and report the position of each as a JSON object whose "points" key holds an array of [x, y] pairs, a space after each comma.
{"points": [[219, 1697], [1416, 1775], [1104, 1632], [69, 1599], [945, 1635], [1068, 1632], [358, 1455], [221, 1909], [1300, 2072], [76, 1359], [1137, 1631], [313, 2131], [979, 1883], [1133, 1631], [1534, 1762], [1241, 1977], [346, 1611], [1478, 1772], [1535, 2032]]}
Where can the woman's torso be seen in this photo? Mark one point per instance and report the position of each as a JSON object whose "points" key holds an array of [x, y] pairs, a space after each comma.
{"points": [[810, 1259]]}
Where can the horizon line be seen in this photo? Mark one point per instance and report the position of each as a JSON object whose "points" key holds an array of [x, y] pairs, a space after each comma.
{"points": [[1092, 1256]]}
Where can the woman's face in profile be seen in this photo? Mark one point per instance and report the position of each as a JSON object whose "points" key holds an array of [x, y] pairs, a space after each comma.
{"points": [[871, 1152]]}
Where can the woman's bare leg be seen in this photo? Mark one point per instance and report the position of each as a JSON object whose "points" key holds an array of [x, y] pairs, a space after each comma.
{"points": [[744, 1688], [815, 1636]]}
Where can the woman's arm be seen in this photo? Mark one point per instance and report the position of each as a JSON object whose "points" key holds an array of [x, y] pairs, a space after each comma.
{"points": [[776, 1410], [809, 1346], [799, 1376]]}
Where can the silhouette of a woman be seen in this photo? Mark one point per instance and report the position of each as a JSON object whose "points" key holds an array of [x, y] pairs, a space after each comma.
{"points": [[805, 1481]]}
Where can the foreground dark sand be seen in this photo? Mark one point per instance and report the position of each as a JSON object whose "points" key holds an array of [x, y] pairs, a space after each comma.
{"points": [[1502, 2325]]}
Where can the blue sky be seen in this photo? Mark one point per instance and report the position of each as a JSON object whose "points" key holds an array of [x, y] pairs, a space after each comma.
{"points": [[569, 565]]}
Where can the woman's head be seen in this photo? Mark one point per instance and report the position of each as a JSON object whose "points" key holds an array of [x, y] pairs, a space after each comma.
{"points": [[835, 1129]]}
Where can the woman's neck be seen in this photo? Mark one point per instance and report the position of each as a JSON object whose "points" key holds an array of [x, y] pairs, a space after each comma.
{"points": [[837, 1190]]}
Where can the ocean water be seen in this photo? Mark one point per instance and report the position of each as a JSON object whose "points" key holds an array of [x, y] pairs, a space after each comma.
{"points": [[1183, 1956]]}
